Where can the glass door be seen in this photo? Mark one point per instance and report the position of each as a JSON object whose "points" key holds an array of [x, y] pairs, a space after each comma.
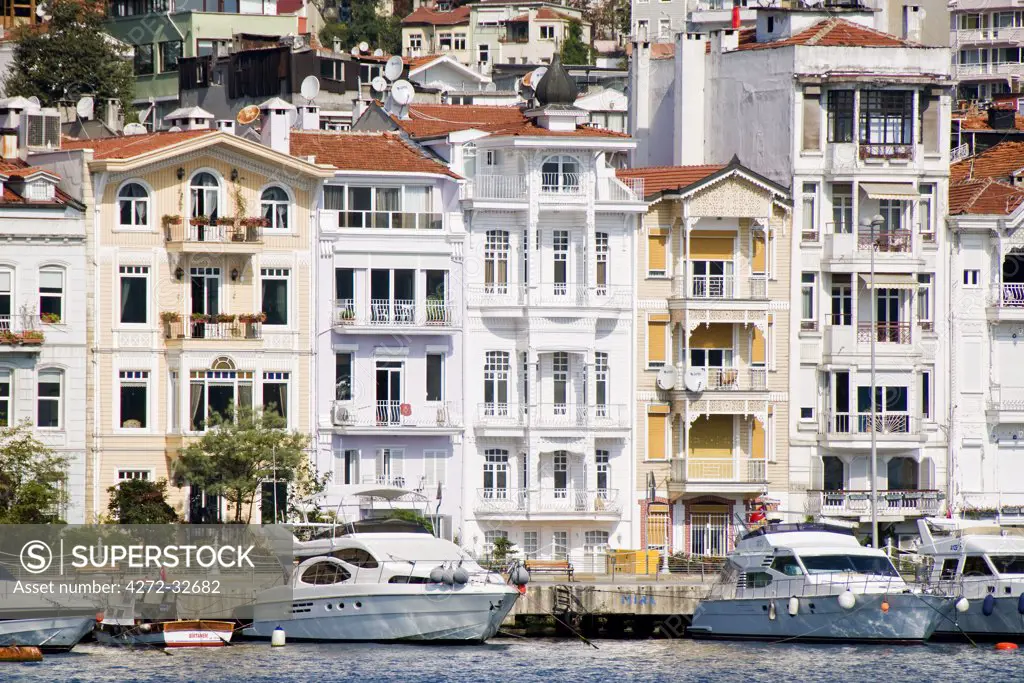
{"points": [[205, 291], [389, 392]]}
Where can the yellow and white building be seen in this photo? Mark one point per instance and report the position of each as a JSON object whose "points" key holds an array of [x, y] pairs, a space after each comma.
{"points": [[711, 354]]}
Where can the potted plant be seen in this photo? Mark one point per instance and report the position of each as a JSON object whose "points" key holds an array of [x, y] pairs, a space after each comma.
{"points": [[199, 318], [435, 307], [50, 318], [225, 318], [252, 322], [31, 337], [200, 220], [346, 316], [9, 338], [172, 219], [169, 318]]}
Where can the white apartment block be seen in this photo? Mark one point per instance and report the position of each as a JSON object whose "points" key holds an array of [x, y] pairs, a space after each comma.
{"points": [[987, 40]]}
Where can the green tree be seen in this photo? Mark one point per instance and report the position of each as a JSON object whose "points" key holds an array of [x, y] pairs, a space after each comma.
{"points": [[31, 478], [574, 50], [70, 56], [137, 501], [365, 24], [307, 486], [503, 549], [238, 453]]}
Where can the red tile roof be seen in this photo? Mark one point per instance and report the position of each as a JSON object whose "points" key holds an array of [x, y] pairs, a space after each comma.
{"points": [[658, 50], [435, 120], [834, 33], [549, 14], [665, 178], [352, 151], [986, 196], [128, 146], [999, 162], [980, 122], [425, 15], [16, 168]]}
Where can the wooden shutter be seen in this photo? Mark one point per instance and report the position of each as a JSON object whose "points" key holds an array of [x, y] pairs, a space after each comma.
{"points": [[759, 262], [930, 123], [812, 120], [711, 248], [657, 424], [657, 250], [757, 348], [757, 449], [657, 524], [657, 331]]}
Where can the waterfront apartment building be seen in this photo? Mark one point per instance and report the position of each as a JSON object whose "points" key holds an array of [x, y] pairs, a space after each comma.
{"points": [[389, 282], [201, 283], [986, 289], [549, 268], [853, 120], [987, 40], [43, 271], [711, 353]]}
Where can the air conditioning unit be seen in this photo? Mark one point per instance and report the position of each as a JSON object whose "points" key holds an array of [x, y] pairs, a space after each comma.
{"points": [[341, 415]]}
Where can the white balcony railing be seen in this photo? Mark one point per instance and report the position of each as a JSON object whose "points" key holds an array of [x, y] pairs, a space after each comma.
{"points": [[501, 414], [725, 469], [1009, 295], [496, 294], [396, 414], [496, 187], [396, 312], [736, 379], [570, 184], [553, 415], [624, 190], [914, 502], [550, 294], [730, 287], [885, 423], [566, 501]]}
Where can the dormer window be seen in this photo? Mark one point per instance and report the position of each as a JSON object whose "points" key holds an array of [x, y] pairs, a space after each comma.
{"points": [[39, 191]]}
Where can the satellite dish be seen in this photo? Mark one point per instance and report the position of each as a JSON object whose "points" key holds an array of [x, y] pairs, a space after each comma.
{"points": [[491, 87], [34, 100], [379, 84], [695, 379], [85, 107], [378, 52], [393, 69], [355, 50], [364, 46], [531, 79], [310, 87], [667, 378], [135, 129], [402, 92], [174, 129], [247, 115]]}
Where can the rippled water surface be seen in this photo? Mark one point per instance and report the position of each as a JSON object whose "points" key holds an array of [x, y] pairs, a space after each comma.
{"points": [[525, 661]]}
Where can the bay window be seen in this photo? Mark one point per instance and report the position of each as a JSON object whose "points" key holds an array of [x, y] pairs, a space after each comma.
{"points": [[886, 117]]}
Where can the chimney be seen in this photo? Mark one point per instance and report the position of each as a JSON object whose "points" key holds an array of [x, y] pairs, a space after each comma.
{"points": [[337, 45], [691, 66], [275, 127], [913, 17], [309, 117], [11, 110], [112, 117], [225, 125], [190, 118]]}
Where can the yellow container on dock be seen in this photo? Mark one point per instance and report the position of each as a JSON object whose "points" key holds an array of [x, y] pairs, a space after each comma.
{"points": [[639, 562]]}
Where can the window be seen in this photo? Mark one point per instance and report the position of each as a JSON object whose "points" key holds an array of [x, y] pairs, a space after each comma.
{"points": [[484, 53], [601, 247], [6, 298], [842, 208], [343, 376], [603, 473], [435, 377], [560, 377], [711, 358], [170, 53], [975, 565], [664, 28], [325, 573], [787, 564], [808, 314], [133, 475], [971, 277], [560, 174], [332, 69], [275, 393], [560, 460], [206, 48], [490, 536], [5, 398], [134, 294], [496, 373], [495, 473], [51, 294], [274, 206], [218, 391], [491, 157], [559, 545], [771, 24], [444, 41], [924, 301], [926, 394], [415, 41], [601, 382], [925, 212], [657, 340], [49, 396], [275, 295], [643, 28], [143, 61], [496, 262], [948, 572], [886, 117], [460, 41], [134, 399], [560, 240], [657, 252], [840, 116], [531, 544], [204, 195], [842, 300], [133, 202], [547, 32], [346, 467], [807, 414], [810, 219]]}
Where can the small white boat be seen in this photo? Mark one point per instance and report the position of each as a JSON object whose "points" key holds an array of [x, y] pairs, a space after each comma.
{"points": [[984, 563], [49, 634], [161, 634], [384, 581], [814, 582]]}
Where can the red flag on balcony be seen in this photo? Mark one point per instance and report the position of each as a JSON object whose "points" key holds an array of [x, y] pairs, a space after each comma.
{"points": [[736, 16]]}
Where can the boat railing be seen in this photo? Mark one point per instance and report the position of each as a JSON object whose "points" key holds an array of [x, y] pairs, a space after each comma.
{"points": [[815, 585]]}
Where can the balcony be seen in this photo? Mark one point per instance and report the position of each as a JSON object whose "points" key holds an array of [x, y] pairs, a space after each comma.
{"points": [[988, 69], [733, 379], [891, 504], [1006, 404], [553, 416], [1006, 302], [891, 429], [396, 417], [496, 295], [209, 327], [18, 335], [884, 333], [227, 238], [431, 316], [891, 242], [567, 502], [1008, 34], [883, 152], [500, 187], [730, 474], [621, 189], [550, 294], [382, 220]]}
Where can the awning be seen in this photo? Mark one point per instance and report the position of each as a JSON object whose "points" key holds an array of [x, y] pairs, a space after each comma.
{"points": [[889, 190], [890, 281]]}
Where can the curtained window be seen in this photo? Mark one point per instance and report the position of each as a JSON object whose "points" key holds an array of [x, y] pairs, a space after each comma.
{"points": [[133, 205], [275, 393], [134, 293], [274, 204]]}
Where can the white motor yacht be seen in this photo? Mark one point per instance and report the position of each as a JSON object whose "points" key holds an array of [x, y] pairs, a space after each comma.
{"points": [[384, 580], [983, 562], [52, 624], [814, 582]]}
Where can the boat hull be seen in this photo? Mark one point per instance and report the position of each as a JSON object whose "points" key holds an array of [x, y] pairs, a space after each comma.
{"points": [[49, 634], [1005, 622], [189, 633], [910, 618], [422, 613]]}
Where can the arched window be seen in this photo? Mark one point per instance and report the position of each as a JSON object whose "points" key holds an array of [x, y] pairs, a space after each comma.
{"points": [[274, 205], [204, 194], [560, 174], [133, 204]]}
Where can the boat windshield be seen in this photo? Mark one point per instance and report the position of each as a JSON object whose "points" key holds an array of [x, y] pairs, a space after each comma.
{"points": [[857, 564], [1008, 564]]}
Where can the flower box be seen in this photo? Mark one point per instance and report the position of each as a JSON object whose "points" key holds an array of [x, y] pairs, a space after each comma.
{"points": [[31, 338], [172, 220], [50, 318], [200, 220]]}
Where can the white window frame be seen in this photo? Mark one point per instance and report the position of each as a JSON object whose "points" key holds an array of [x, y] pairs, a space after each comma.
{"points": [[559, 549], [278, 274], [217, 192], [809, 198], [61, 390], [971, 278], [435, 461], [656, 274], [531, 544], [925, 300], [926, 198], [415, 41], [127, 474], [61, 296], [445, 37], [658, 364], [7, 380], [496, 463], [602, 465], [483, 54], [133, 272], [547, 32], [426, 367], [278, 377], [274, 204], [340, 463], [459, 42], [133, 378], [809, 288], [133, 203], [489, 537]]}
